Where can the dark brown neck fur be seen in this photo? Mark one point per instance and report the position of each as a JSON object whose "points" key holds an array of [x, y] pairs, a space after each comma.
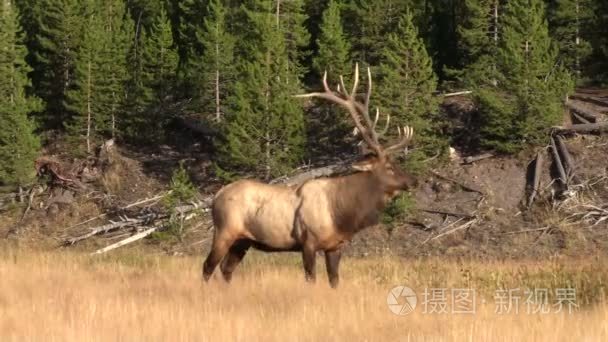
{"points": [[357, 201]]}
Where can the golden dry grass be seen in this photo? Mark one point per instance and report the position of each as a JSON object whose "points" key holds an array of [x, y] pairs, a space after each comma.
{"points": [[133, 297]]}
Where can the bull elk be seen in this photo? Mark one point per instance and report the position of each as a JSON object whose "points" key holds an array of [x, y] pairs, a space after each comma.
{"points": [[318, 215]]}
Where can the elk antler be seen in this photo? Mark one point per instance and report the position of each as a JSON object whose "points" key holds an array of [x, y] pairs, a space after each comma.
{"points": [[357, 110], [406, 137], [360, 112]]}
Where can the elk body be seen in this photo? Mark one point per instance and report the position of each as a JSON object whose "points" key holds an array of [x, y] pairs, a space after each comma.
{"points": [[320, 214]]}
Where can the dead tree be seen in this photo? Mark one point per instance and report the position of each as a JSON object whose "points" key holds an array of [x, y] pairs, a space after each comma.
{"points": [[582, 111], [558, 164], [536, 177], [600, 127]]}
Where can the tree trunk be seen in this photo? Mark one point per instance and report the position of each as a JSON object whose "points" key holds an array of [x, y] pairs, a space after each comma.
{"points": [[582, 111], [585, 128], [218, 117], [495, 15], [558, 164], [89, 108], [278, 14], [577, 63], [538, 167], [567, 159]]}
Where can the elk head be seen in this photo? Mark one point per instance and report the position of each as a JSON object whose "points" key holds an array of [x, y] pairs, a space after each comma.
{"points": [[378, 161]]}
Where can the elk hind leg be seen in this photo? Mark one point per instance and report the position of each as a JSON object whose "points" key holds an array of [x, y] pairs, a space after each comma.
{"points": [[332, 263], [218, 250], [235, 255]]}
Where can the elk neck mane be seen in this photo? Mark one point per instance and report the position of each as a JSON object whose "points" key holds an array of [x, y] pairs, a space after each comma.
{"points": [[356, 201]]}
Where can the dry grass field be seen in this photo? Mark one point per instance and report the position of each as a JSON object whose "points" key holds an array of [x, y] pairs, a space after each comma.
{"points": [[131, 296]]}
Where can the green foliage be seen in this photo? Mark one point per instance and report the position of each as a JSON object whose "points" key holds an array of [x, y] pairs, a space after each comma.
{"points": [[182, 189], [369, 22], [182, 192], [399, 208], [18, 144], [478, 37], [333, 48], [59, 24], [152, 81], [264, 129], [215, 70], [333, 57], [571, 27], [131, 66], [406, 86], [97, 99], [297, 39], [188, 18], [519, 87], [84, 99], [600, 41]]}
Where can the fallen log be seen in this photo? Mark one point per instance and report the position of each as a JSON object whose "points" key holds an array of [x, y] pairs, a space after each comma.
{"points": [[147, 200], [566, 157], [472, 159], [582, 111], [448, 213], [580, 118], [325, 171], [599, 127], [558, 164], [105, 229], [461, 184], [590, 99], [538, 168], [444, 230], [458, 93], [126, 241], [58, 173], [141, 220], [462, 226]]}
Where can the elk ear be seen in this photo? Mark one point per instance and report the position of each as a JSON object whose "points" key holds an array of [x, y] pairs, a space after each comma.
{"points": [[366, 164]]}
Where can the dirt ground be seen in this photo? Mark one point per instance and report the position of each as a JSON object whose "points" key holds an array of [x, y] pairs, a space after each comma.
{"points": [[491, 193]]}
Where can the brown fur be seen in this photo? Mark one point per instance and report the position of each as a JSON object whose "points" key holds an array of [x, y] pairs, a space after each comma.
{"points": [[321, 214]]}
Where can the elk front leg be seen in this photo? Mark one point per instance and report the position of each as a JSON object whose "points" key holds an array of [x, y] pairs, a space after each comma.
{"points": [[332, 263], [308, 256]]}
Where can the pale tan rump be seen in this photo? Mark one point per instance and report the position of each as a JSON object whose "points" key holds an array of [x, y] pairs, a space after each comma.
{"points": [[257, 211]]}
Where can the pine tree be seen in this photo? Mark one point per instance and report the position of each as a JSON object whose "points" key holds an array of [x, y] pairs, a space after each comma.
{"points": [[333, 57], [98, 97], [290, 17], [571, 23], [119, 27], [59, 25], [144, 12], [600, 40], [478, 35], [369, 22], [333, 47], [407, 83], [187, 17], [215, 68], [265, 125], [18, 144], [160, 59], [152, 81], [85, 99], [530, 84]]}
